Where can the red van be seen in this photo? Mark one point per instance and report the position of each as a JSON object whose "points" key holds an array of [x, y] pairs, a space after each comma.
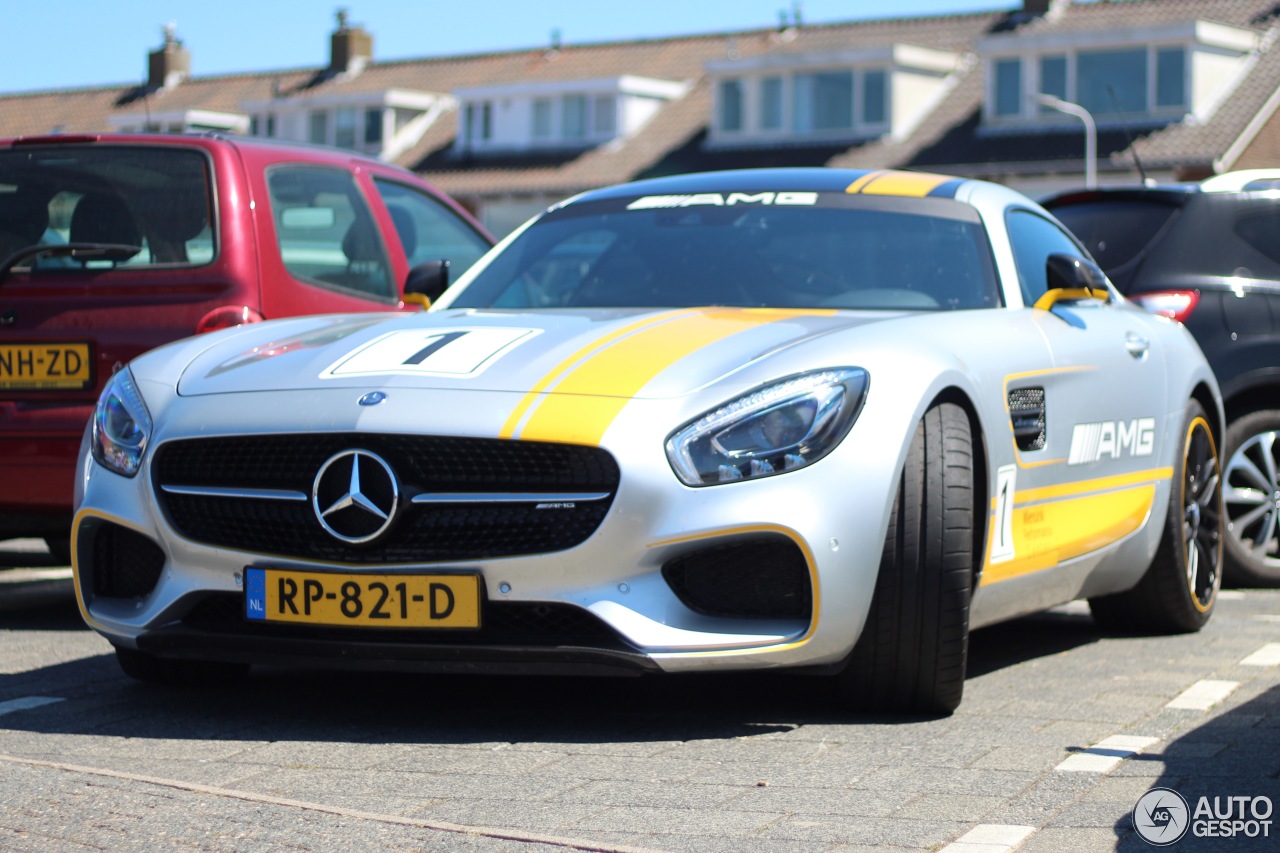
{"points": [[111, 245]]}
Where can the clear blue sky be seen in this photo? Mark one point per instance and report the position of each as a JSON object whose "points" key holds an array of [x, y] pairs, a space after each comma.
{"points": [[55, 44]]}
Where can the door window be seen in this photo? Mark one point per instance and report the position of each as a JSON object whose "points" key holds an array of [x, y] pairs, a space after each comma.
{"points": [[1034, 239], [326, 233], [429, 230]]}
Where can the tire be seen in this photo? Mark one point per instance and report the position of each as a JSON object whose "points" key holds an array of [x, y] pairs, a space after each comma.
{"points": [[912, 653], [1178, 591], [180, 673], [1252, 497]]}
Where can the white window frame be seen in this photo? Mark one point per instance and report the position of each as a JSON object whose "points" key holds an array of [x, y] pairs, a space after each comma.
{"points": [[1031, 112]]}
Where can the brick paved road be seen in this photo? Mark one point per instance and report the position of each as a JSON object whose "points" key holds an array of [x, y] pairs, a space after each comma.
{"points": [[1061, 731]]}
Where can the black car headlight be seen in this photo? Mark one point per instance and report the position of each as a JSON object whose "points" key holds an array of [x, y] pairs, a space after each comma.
{"points": [[121, 426], [777, 428]]}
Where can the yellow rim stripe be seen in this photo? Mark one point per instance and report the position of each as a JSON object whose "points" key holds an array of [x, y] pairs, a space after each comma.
{"points": [[509, 428], [1200, 423], [594, 390]]}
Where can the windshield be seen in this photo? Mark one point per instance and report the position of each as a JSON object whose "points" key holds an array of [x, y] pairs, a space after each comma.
{"points": [[825, 250]]}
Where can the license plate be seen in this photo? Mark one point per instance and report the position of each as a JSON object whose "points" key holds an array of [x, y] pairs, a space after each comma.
{"points": [[51, 366], [362, 600]]}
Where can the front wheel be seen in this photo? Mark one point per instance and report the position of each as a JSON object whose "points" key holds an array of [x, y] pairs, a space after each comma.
{"points": [[913, 649], [1178, 592], [1252, 495]]}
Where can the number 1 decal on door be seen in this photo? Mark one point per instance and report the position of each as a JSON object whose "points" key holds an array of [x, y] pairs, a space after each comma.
{"points": [[459, 353], [1002, 543]]}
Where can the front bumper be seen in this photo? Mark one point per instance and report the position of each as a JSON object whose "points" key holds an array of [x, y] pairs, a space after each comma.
{"points": [[674, 579]]}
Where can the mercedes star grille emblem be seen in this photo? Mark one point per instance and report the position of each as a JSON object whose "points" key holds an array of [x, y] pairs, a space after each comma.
{"points": [[355, 496]]}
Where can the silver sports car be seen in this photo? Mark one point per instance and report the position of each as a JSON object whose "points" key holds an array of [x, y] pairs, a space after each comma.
{"points": [[816, 419]]}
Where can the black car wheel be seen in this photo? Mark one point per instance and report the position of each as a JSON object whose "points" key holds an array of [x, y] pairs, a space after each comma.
{"points": [[1252, 497], [1179, 589], [913, 649]]}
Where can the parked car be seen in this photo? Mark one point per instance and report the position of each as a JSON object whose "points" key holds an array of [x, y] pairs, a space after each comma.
{"points": [[811, 418], [1208, 255], [112, 245]]}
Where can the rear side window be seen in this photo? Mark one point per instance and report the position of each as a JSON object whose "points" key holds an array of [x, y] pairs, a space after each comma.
{"points": [[325, 231], [139, 206], [429, 230], [1115, 232], [1260, 228]]}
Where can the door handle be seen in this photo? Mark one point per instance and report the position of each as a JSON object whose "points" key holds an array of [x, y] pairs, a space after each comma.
{"points": [[1136, 345]]}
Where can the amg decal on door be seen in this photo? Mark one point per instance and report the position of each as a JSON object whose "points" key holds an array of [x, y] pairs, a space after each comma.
{"points": [[1112, 439]]}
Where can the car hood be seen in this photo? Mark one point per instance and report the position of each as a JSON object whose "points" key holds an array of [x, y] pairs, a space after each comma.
{"points": [[601, 352]]}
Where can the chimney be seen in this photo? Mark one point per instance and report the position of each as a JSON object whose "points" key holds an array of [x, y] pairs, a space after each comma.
{"points": [[1044, 7], [350, 47], [171, 64]]}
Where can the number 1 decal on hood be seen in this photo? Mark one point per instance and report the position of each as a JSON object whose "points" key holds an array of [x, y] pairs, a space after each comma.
{"points": [[459, 353]]}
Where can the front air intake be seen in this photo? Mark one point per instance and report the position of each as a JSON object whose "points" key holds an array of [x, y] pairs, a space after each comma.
{"points": [[759, 578]]}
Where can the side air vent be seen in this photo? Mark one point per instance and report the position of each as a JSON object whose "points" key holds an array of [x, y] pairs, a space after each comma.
{"points": [[1026, 410]]}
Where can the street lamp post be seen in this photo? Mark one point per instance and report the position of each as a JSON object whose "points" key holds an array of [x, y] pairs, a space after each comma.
{"points": [[1090, 134]]}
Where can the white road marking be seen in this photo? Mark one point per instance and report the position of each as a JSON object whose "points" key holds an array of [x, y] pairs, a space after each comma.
{"points": [[26, 703], [990, 838], [1268, 655], [1104, 755], [1203, 695], [1232, 594], [1268, 617]]}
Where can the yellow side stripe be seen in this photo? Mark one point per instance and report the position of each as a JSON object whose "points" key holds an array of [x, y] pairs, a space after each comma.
{"points": [[1048, 534], [1026, 496]]}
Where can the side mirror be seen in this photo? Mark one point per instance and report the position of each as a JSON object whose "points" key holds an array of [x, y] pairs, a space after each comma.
{"points": [[1071, 277], [426, 282]]}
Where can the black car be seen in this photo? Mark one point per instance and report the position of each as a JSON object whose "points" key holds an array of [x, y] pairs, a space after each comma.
{"points": [[1208, 255]]}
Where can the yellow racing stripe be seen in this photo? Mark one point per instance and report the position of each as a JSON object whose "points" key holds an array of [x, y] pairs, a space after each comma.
{"points": [[592, 391], [911, 184], [513, 421]]}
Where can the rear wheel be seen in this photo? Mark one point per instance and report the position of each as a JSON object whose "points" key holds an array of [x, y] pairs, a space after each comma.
{"points": [[1180, 587], [912, 652], [184, 673], [1252, 496]]}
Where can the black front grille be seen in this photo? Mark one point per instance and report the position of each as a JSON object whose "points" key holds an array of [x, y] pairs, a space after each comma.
{"points": [[543, 625], [754, 578], [125, 564], [423, 464]]}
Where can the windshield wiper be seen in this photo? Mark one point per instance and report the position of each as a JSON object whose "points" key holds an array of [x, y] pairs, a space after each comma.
{"points": [[116, 252]]}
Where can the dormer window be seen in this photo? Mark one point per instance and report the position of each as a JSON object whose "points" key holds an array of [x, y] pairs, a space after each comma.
{"points": [[380, 123], [847, 95], [569, 114], [1157, 74]]}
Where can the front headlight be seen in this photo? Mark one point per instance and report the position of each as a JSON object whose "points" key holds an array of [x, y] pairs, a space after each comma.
{"points": [[121, 426], [777, 428]]}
